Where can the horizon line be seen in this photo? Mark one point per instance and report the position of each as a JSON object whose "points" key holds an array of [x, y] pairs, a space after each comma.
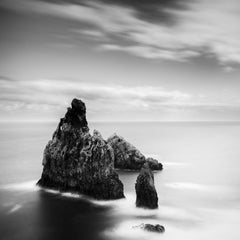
{"points": [[113, 121]]}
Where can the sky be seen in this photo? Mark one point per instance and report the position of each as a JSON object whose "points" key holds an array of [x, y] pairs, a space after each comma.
{"points": [[128, 60]]}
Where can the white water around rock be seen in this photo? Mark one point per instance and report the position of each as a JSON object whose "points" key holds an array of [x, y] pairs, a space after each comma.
{"points": [[198, 189]]}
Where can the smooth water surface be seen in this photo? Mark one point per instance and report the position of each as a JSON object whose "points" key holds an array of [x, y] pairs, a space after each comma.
{"points": [[199, 188]]}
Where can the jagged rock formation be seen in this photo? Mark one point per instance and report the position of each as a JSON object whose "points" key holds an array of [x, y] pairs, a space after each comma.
{"points": [[151, 228], [74, 160], [145, 189], [128, 157]]}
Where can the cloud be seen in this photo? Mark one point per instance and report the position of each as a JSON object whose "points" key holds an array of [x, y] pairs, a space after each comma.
{"points": [[49, 98], [200, 27], [152, 52], [228, 69], [55, 93], [49, 94]]}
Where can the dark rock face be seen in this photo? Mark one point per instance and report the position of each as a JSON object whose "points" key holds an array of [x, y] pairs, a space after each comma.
{"points": [[75, 160], [154, 164], [151, 228], [145, 189], [128, 157]]}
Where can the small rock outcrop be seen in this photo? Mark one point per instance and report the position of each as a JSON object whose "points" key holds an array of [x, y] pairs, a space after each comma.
{"points": [[75, 160], [151, 228], [128, 157], [145, 189]]}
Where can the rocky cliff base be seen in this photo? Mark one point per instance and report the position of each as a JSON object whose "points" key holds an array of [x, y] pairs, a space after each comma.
{"points": [[75, 160]]}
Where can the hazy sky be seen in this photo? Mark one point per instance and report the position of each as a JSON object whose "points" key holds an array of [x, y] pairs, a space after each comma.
{"points": [[129, 60]]}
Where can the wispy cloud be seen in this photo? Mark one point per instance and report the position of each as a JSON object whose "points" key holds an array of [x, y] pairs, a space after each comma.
{"points": [[151, 52], [58, 93], [46, 96], [203, 27], [228, 69]]}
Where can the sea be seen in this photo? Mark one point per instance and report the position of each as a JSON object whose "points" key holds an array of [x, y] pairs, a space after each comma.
{"points": [[198, 189]]}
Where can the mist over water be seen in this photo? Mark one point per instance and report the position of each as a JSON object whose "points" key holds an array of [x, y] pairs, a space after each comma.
{"points": [[198, 189]]}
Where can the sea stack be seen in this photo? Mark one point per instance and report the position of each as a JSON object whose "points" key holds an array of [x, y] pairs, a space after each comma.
{"points": [[145, 189], [74, 160], [129, 157]]}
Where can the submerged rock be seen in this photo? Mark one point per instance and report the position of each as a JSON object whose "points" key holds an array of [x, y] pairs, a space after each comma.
{"points": [[151, 228], [128, 157], [145, 189], [75, 160]]}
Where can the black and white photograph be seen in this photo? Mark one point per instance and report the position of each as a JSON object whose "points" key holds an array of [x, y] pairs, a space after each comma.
{"points": [[119, 119]]}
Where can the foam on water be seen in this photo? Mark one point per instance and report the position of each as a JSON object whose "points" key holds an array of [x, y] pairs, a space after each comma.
{"points": [[209, 229], [176, 220], [11, 206], [120, 207], [72, 195], [153, 155], [66, 194], [128, 230], [190, 186], [31, 186], [14, 208], [23, 186], [127, 207], [168, 164], [175, 164], [216, 190]]}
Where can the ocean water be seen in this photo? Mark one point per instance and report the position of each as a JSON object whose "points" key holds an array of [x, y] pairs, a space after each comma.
{"points": [[199, 188]]}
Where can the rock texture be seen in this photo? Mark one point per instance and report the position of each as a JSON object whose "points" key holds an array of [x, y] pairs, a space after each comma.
{"points": [[128, 157], [145, 189], [151, 228], [75, 160]]}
